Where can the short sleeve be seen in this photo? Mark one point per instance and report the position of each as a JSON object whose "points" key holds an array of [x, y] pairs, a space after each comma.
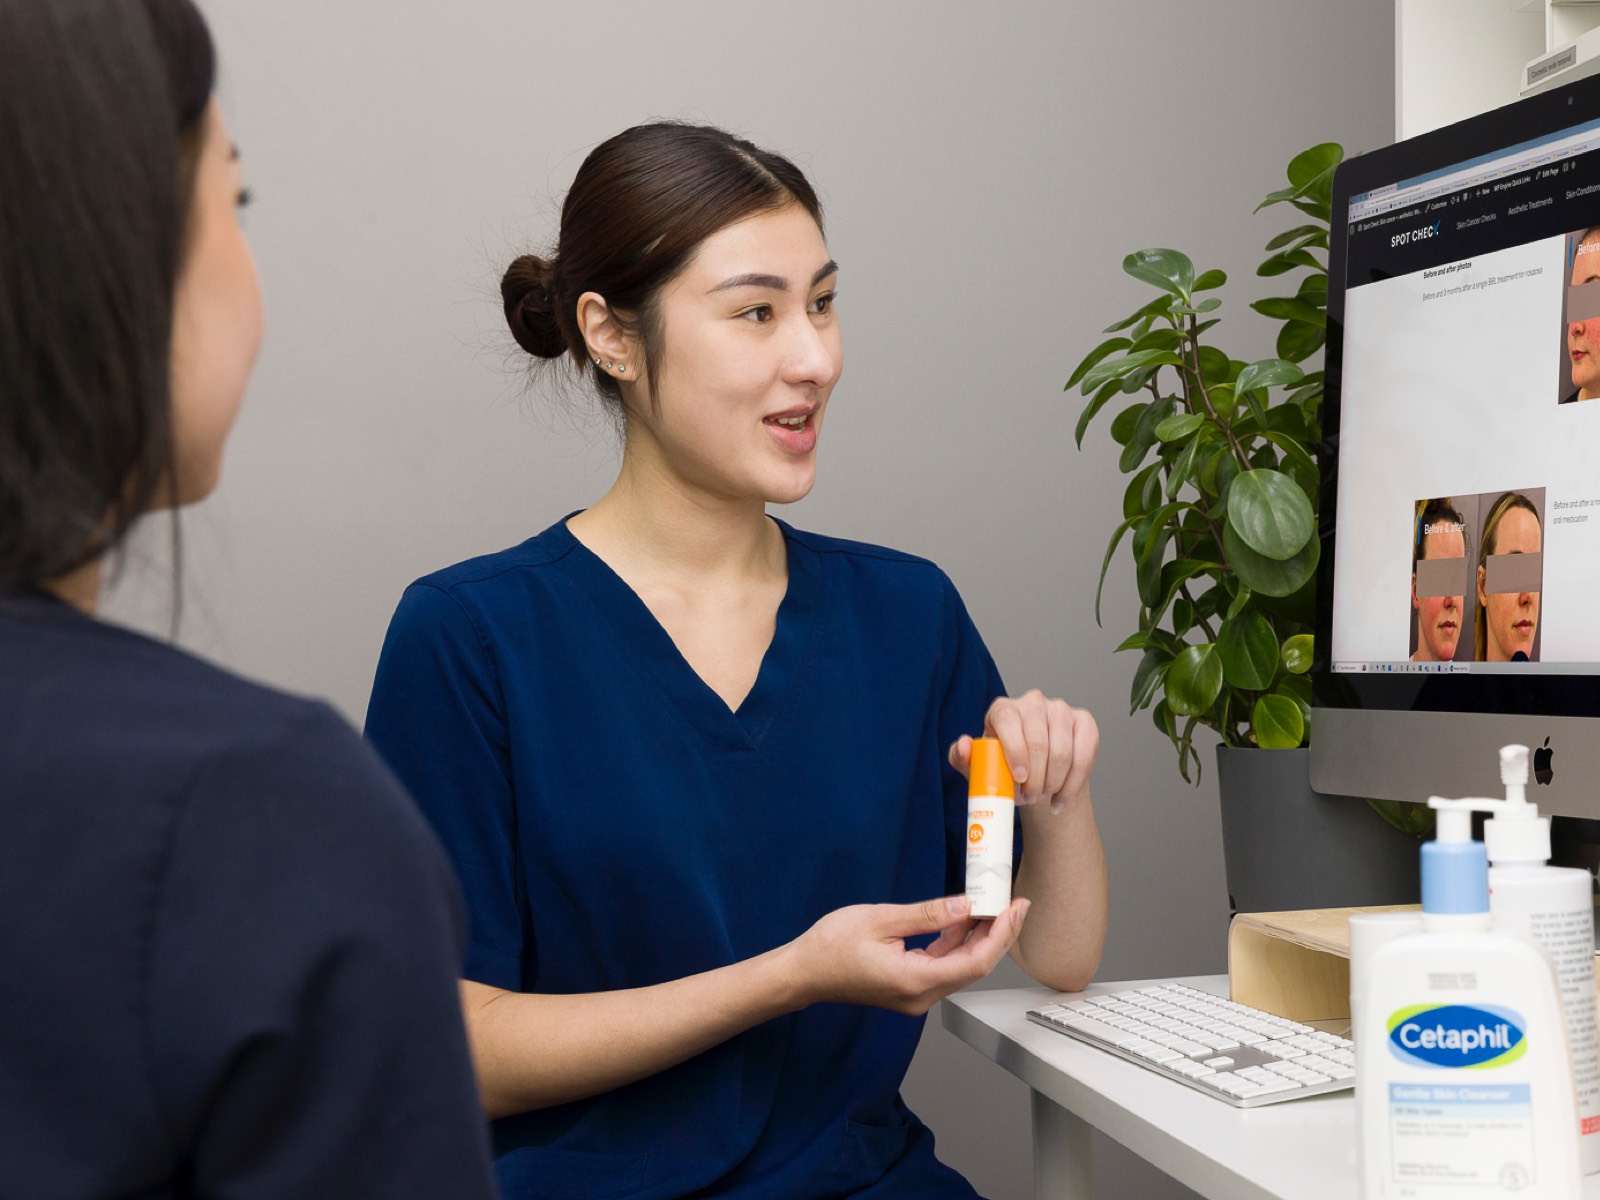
{"points": [[438, 719], [971, 683], [302, 1008]]}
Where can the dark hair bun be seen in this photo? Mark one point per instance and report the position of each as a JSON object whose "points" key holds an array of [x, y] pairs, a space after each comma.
{"points": [[529, 291]]}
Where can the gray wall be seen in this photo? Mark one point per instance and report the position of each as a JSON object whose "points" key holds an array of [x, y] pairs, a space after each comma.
{"points": [[984, 167]]}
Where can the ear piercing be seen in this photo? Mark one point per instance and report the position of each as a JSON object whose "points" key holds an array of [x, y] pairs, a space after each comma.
{"points": [[611, 366]]}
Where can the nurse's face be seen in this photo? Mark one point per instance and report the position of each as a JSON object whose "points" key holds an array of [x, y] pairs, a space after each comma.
{"points": [[1439, 617], [750, 352], [1583, 337], [1511, 618]]}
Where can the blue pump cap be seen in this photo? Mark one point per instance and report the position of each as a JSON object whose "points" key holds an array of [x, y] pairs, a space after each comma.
{"points": [[1455, 877]]}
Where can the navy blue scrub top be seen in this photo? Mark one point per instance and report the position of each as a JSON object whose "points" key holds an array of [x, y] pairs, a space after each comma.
{"points": [[616, 825]]}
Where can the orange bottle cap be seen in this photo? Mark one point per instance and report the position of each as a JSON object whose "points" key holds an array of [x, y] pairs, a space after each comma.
{"points": [[990, 774]]}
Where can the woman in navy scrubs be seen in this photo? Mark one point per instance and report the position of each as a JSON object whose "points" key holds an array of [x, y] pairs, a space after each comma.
{"points": [[701, 772], [228, 943]]}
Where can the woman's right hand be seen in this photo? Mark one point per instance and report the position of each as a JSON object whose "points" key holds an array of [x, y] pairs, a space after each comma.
{"points": [[858, 955]]}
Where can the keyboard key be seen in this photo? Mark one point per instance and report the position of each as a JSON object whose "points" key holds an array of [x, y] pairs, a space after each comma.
{"points": [[1109, 1034], [1222, 1060], [1193, 1070]]}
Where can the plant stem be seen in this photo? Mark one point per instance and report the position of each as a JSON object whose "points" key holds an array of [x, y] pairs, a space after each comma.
{"points": [[1192, 344], [1204, 624]]}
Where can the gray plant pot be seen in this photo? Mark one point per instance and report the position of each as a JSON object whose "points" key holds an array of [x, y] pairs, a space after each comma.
{"points": [[1287, 847]]}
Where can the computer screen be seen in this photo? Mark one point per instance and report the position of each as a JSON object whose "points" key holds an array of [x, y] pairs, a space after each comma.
{"points": [[1459, 585]]}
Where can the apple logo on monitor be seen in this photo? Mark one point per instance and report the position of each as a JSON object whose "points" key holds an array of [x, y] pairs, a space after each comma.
{"points": [[1543, 772]]}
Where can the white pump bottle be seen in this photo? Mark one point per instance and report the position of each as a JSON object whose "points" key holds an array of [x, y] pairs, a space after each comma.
{"points": [[1553, 908]]}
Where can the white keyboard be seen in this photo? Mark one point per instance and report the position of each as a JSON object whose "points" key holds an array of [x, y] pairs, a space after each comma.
{"points": [[1242, 1056]]}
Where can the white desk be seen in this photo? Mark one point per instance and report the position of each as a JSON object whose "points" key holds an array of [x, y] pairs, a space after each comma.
{"points": [[1298, 1150]]}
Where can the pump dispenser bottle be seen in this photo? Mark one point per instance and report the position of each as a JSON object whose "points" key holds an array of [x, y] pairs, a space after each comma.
{"points": [[1553, 908], [1463, 1081], [991, 814]]}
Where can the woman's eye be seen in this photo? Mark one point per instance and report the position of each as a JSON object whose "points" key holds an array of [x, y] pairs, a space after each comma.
{"points": [[760, 313], [824, 303], [245, 198]]}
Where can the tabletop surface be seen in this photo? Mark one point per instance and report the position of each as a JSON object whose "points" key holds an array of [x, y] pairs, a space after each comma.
{"points": [[1297, 1150]]}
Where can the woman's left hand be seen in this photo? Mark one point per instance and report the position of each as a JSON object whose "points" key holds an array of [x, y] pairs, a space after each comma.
{"points": [[1049, 745]]}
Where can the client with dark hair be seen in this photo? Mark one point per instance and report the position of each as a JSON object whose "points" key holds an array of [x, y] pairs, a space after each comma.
{"points": [[228, 943]]}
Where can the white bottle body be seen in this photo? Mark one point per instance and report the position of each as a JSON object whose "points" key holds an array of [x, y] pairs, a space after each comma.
{"points": [[990, 820], [1553, 908], [1463, 1082]]}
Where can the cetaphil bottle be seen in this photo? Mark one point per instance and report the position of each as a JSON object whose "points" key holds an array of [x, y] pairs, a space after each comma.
{"points": [[1464, 1085]]}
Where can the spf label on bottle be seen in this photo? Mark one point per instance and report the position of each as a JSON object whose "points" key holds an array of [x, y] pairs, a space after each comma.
{"points": [[989, 829]]}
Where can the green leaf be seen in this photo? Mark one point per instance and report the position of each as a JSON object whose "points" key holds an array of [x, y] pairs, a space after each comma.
{"points": [[1291, 446], [1215, 366], [1143, 493], [1313, 168], [1297, 654], [1137, 640], [1183, 467], [1169, 270], [1116, 368], [1155, 308], [1144, 432], [1289, 308], [1194, 680], [1182, 616], [1124, 423], [1277, 722], [1179, 425], [1162, 337], [1270, 576], [1239, 602], [1314, 289], [1299, 340], [1280, 264], [1092, 410], [1147, 677], [1310, 180], [1249, 651], [1267, 373], [1209, 279], [1270, 514], [1107, 347], [1289, 235], [1415, 820], [1298, 689], [1111, 548]]}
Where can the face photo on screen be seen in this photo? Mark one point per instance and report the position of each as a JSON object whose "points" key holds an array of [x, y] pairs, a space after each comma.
{"points": [[1438, 580], [1509, 576], [1581, 370]]}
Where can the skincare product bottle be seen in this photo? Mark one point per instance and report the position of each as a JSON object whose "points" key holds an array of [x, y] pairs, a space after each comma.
{"points": [[991, 813], [1553, 908], [1463, 1081]]}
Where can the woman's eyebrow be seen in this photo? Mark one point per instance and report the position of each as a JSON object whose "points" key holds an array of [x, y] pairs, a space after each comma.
{"points": [[776, 282], [233, 152]]}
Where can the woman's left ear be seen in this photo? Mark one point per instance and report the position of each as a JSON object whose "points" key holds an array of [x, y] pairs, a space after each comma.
{"points": [[609, 347]]}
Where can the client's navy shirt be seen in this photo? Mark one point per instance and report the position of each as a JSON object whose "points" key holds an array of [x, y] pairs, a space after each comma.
{"points": [[616, 825], [228, 942]]}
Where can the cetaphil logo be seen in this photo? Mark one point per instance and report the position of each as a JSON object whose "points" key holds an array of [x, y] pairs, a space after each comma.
{"points": [[1457, 1035]]}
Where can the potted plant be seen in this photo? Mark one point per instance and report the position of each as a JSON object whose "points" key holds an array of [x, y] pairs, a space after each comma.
{"points": [[1220, 515]]}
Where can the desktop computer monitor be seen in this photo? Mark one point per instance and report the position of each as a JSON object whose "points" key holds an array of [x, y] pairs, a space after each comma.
{"points": [[1459, 585]]}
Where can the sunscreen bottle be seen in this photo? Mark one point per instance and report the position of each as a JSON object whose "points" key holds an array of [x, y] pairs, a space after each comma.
{"points": [[1553, 908], [1463, 1081], [991, 813]]}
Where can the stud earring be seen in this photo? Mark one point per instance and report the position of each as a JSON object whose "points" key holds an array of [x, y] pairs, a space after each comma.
{"points": [[622, 368]]}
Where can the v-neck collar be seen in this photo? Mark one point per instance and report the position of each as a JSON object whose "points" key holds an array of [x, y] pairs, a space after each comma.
{"points": [[645, 641]]}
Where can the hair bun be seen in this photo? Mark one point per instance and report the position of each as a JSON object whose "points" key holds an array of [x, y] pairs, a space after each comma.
{"points": [[529, 292]]}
